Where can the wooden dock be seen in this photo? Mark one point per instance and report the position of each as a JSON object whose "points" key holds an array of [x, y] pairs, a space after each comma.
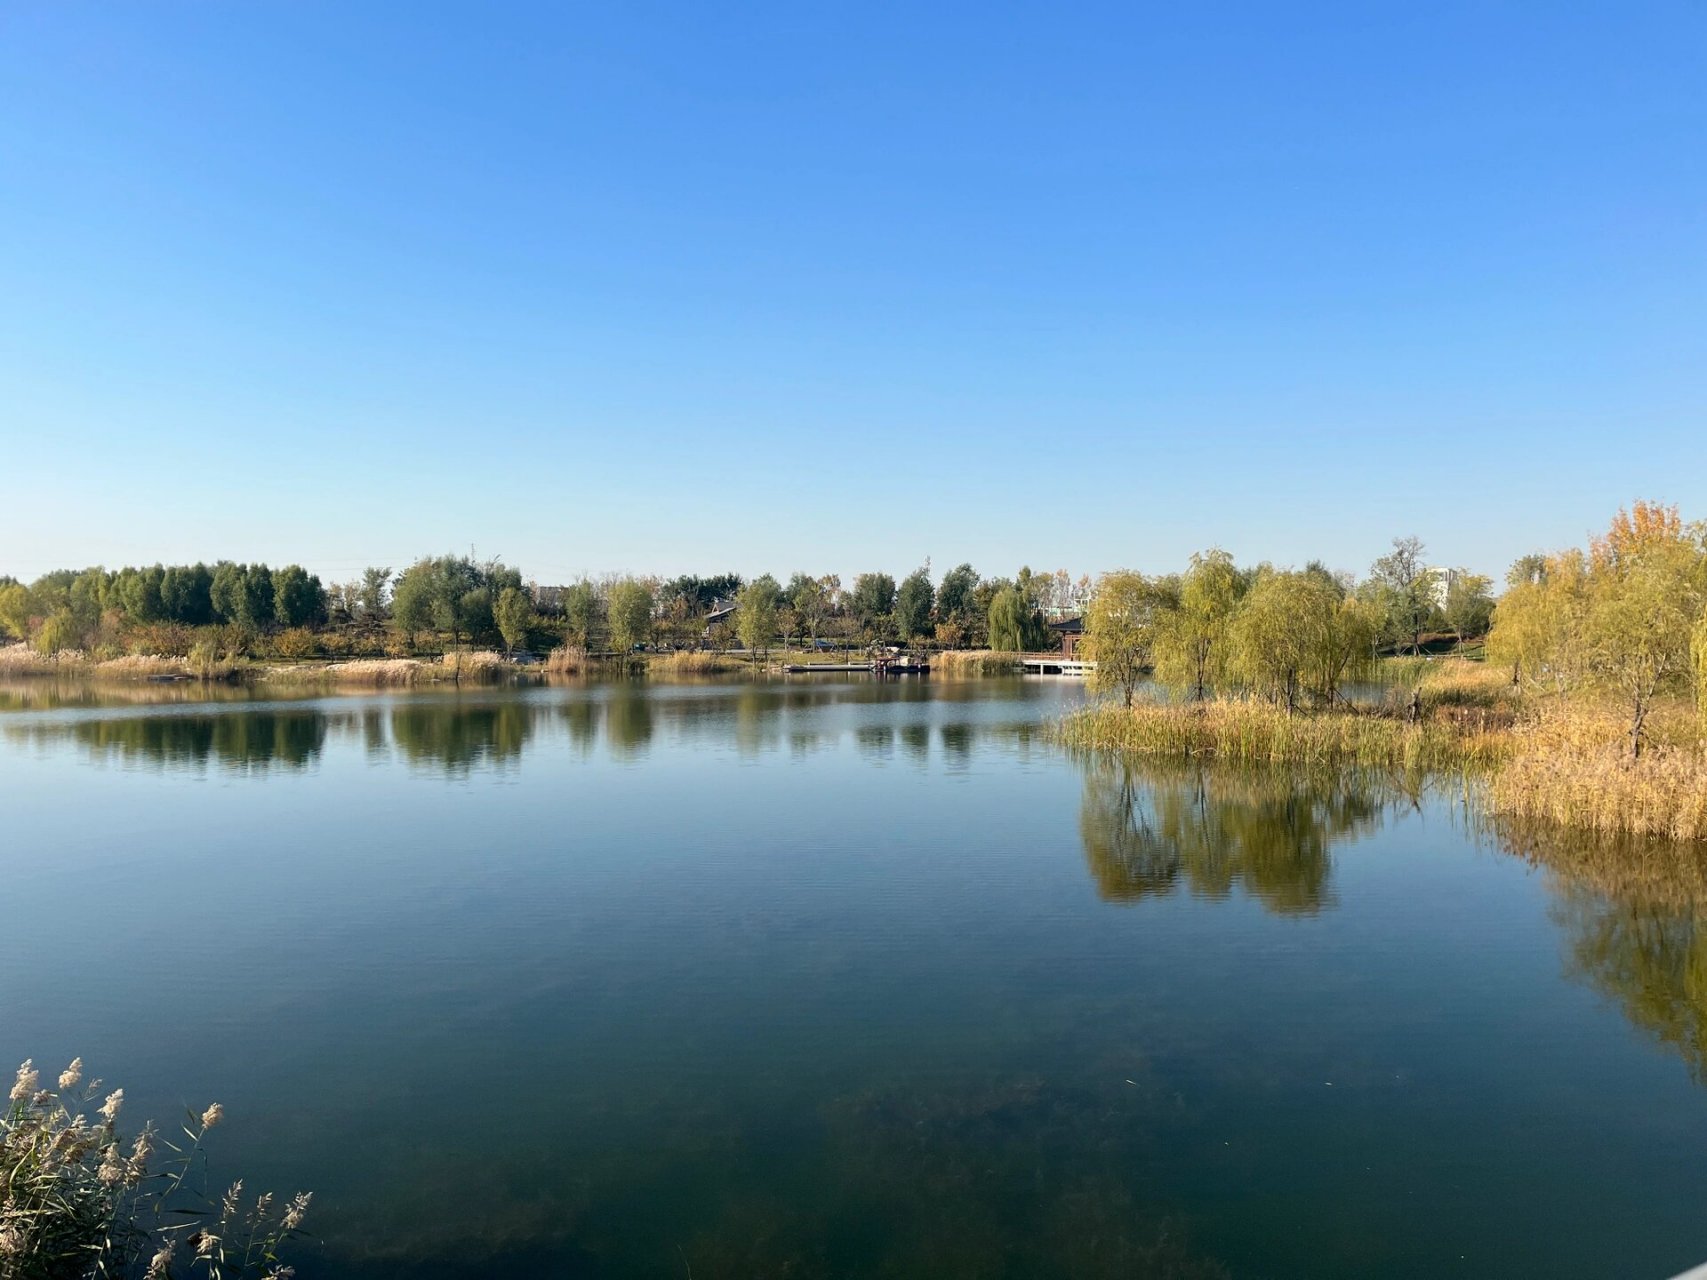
{"points": [[1053, 664], [880, 668]]}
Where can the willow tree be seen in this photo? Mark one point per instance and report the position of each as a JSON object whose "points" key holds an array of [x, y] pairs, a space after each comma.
{"points": [[1648, 583], [1191, 641], [1291, 636], [1125, 616], [1008, 621], [1343, 632], [15, 610], [1698, 657], [1538, 623]]}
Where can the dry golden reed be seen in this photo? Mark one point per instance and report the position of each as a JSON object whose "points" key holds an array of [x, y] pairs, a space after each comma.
{"points": [[1573, 767], [974, 662], [1255, 732]]}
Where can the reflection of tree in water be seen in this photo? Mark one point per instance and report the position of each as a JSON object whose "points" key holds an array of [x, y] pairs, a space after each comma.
{"points": [[1634, 914], [456, 736], [628, 721], [1149, 827], [916, 742], [581, 719], [239, 740]]}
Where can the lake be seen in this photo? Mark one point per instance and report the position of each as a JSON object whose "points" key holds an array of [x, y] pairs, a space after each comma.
{"points": [[847, 979]]}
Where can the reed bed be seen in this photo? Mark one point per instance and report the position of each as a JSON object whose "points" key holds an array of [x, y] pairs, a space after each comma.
{"points": [[203, 663], [1255, 732], [1573, 768], [22, 660], [566, 660], [483, 666], [378, 672], [142, 666], [974, 662], [691, 662]]}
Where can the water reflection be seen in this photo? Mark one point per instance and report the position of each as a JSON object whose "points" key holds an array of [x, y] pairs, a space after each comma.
{"points": [[1632, 912], [459, 737], [462, 733], [1151, 827], [254, 740]]}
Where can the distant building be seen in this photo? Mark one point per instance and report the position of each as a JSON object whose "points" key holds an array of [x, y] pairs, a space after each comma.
{"points": [[721, 614], [1443, 582], [1071, 631]]}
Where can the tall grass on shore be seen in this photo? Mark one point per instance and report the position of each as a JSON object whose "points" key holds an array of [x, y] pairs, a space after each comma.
{"points": [[1572, 767], [480, 667], [1254, 732], [694, 662], [203, 662], [566, 660], [974, 662], [78, 1200], [22, 660]]}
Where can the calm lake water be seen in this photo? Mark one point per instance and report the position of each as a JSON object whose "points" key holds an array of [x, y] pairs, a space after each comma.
{"points": [[847, 980]]}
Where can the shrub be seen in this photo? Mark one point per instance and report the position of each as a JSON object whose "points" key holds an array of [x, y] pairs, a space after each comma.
{"points": [[296, 642]]}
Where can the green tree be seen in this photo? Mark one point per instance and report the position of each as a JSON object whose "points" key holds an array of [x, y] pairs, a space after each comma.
{"points": [[1406, 585], [954, 597], [581, 613], [756, 614], [299, 600], [1469, 607], [629, 604], [1190, 644], [873, 600], [259, 599], [913, 602], [1126, 613], [15, 610], [370, 598], [138, 593], [811, 599], [185, 595], [412, 599], [225, 591], [59, 631], [514, 615]]}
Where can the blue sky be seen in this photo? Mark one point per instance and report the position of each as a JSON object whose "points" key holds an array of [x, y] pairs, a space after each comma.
{"points": [[842, 286]]}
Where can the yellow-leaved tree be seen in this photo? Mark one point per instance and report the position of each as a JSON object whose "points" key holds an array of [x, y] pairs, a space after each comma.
{"points": [[1191, 640], [1122, 621], [1647, 588]]}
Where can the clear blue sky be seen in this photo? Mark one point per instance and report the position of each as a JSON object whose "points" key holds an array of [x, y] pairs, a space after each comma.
{"points": [[842, 286]]}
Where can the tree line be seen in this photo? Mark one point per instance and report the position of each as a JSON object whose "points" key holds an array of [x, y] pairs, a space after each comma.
{"points": [[1174, 622], [457, 599]]}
